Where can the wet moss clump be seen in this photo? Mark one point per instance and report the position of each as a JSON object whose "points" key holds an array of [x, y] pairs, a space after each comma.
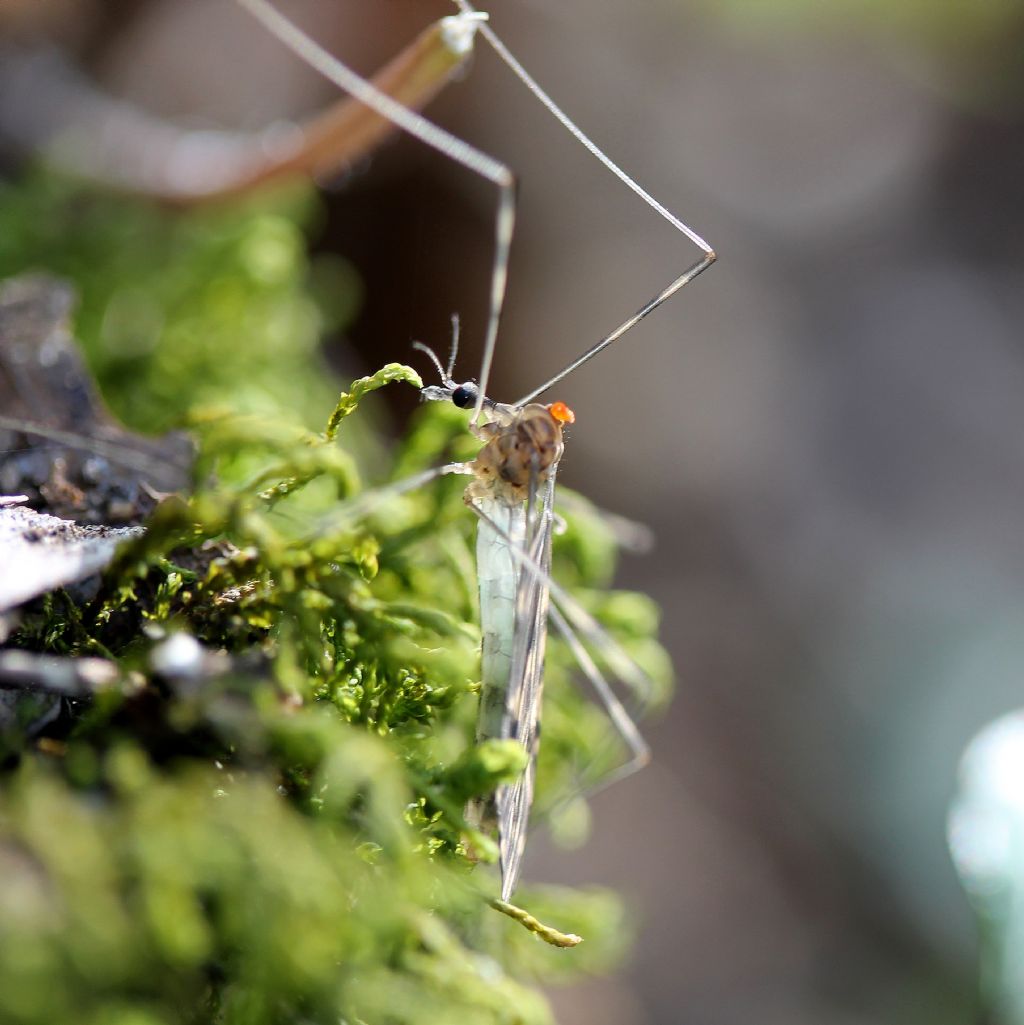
{"points": [[260, 821]]}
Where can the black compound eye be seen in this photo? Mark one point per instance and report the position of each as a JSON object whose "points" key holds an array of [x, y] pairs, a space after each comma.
{"points": [[465, 395]]}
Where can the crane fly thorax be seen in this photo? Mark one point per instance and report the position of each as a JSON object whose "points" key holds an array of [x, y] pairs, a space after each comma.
{"points": [[519, 448]]}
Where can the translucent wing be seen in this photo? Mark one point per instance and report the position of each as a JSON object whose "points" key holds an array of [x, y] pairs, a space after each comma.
{"points": [[581, 631], [526, 685]]}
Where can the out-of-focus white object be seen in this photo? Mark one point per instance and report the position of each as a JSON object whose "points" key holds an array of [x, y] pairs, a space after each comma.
{"points": [[986, 840]]}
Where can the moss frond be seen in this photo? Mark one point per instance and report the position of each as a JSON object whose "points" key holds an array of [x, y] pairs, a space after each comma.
{"points": [[278, 839]]}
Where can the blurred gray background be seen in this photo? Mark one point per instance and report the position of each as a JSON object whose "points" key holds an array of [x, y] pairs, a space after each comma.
{"points": [[825, 430]]}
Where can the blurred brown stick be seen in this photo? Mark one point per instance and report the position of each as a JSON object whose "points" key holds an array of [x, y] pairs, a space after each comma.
{"points": [[54, 111]]}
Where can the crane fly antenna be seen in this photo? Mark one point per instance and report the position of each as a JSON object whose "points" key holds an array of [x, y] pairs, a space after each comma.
{"points": [[455, 344], [420, 347]]}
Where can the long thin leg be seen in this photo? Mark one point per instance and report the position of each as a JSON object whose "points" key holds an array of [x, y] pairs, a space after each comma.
{"points": [[366, 503], [582, 621], [592, 632], [624, 666], [640, 752], [630, 535], [577, 133], [427, 132], [487, 167]]}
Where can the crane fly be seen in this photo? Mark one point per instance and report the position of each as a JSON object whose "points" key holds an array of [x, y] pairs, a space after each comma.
{"points": [[512, 492], [513, 485]]}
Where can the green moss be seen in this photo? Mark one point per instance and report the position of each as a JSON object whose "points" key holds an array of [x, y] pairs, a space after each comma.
{"points": [[280, 841]]}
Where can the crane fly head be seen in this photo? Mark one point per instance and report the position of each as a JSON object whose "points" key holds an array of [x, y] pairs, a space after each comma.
{"points": [[465, 395], [462, 395]]}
